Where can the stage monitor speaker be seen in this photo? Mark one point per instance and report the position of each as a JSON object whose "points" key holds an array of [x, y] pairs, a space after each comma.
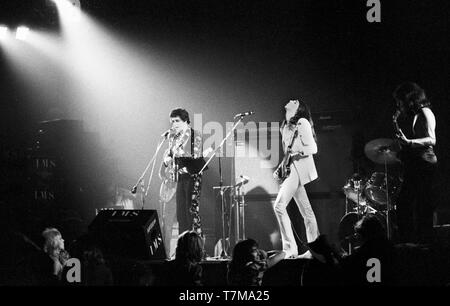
{"points": [[129, 233]]}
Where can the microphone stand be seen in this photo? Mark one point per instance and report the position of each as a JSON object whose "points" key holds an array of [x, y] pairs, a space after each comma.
{"points": [[222, 202], [140, 181], [221, 187]]}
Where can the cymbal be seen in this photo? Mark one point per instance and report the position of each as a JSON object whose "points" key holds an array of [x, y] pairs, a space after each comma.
{"points": [[381, 151]]}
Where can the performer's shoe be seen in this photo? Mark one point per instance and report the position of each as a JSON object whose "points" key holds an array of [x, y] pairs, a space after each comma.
{"points": [[306, 255]]}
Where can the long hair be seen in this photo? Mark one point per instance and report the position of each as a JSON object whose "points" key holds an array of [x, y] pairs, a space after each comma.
{"points": [[50, 243], [412, 96], [189, 247], [93, 256], [303, 111]]}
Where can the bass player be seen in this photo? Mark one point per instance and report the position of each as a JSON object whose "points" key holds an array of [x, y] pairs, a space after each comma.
{"points": [[295, 171]]}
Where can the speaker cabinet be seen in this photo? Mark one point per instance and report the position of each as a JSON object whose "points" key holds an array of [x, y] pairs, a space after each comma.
{"points": [[129, 233]]}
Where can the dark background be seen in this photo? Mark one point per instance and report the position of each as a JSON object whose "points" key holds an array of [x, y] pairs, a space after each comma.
{"points": [[242, 55]]}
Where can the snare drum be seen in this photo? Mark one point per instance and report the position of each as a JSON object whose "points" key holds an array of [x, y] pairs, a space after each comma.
{"points": [[354, 190]]}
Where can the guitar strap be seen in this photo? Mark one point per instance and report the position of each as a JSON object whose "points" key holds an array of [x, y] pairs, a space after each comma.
{"points": [[192, 142], [195, 200], [292, 140]]}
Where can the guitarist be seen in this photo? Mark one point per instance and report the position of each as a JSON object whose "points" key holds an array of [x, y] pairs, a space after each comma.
{"points": [[295, 171], [415, 205], [182, 160]]}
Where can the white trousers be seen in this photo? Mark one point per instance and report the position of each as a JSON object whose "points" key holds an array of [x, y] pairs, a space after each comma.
{"points": [[292, 188]]}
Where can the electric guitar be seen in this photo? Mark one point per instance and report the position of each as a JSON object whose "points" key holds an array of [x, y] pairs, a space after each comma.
{"points": [[284, 168], [398, 131]]}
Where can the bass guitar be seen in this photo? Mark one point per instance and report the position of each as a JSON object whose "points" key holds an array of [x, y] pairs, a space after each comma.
{"points": [[284, 168]]}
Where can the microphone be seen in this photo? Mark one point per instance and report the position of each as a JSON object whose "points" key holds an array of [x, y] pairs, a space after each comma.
{"points": [[134, 189], [244, 114], [244, 178]]}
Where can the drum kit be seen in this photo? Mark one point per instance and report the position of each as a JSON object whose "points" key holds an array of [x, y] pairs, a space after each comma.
{"points": [[375, 195]]}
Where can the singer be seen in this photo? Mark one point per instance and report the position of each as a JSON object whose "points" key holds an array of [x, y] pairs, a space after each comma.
{"points": [[184, 144], [297, 132], [415, 206]]}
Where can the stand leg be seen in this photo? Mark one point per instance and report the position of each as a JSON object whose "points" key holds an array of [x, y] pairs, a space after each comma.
{"points": [[237, 234], [243, 218], [223, 254], [388, 204]]}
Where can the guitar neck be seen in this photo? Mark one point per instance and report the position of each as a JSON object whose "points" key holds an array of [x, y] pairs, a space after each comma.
{"points": [[396, 126]]}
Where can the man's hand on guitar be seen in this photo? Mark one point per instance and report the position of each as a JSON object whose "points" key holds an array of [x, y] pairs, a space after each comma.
{"points": [[167, 160], [298, 154], [402, 138], [275, 174]]}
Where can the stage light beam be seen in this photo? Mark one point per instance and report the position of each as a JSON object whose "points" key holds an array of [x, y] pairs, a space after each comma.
{"points": [[22, 33], [3, 32], [69, 10]]}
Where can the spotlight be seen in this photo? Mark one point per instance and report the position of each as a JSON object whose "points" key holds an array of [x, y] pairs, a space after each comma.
{"points": [[22, 33], [69, 9], [3, 32], [75, 3]]}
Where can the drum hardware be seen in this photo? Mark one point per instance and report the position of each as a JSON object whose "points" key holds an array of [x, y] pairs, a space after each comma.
{"points": [[237, 196], [354, 192], [374, 196], [375, 189], [239, 206], [382, 151]]}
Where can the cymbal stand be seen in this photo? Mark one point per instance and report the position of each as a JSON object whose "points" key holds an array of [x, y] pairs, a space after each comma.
{"points": [[357, 184], [359, 211], [388, 204]]}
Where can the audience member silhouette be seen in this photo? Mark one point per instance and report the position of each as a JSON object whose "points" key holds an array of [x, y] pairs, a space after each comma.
{"points": [[54, 248], [186, 269], [249, 263], [95, 271], [323, 269]]}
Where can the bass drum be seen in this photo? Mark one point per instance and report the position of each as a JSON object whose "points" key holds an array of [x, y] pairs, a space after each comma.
{"points": [[347, 236]]}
